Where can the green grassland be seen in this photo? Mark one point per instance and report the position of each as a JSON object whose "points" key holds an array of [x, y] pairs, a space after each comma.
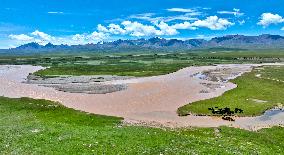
{"points": [[275, 73], [29, 126], [139, 64], [250, 89]]}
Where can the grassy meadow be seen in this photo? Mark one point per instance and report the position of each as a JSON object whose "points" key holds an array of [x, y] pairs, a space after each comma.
{"points": [[30, 126], [254, 95], [144, 64]]}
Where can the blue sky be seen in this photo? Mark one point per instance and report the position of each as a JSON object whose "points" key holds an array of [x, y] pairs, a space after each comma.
{"points": [[92, 21]]}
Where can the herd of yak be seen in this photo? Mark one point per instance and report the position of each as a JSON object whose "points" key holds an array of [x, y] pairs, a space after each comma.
{"points": [[226, 113]]}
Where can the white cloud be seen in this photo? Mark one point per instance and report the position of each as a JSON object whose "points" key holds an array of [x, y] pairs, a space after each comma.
{"points": [[112, 29], [184, 17], [102, 28], [282, 28], [184, 25], [21, 37], [180, 10], [144, 16], [84, 38], [96, 36], [206, 8], [42, 36], [213, 23], [139, 30], [267, 19], [55, 12], [78, 37], [235, 12], [116, 29], [165, 29], [149, 17], [161, 28]]}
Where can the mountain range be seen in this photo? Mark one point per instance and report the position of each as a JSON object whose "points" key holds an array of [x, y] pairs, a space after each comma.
{"points": [[265, 41]]}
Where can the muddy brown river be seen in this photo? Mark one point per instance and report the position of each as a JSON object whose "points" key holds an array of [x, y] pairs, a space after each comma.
{"points": [[149, 100]]}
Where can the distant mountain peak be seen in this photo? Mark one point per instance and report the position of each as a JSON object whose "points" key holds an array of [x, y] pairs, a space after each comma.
{"points": [[228, 41], [30, 45]]}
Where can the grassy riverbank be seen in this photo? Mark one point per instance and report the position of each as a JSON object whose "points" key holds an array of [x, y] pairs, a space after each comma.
{"points": [[254, 94], [31, 126]]}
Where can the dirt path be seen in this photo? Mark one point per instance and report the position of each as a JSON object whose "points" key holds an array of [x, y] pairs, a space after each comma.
{"points": [[153, 100]]}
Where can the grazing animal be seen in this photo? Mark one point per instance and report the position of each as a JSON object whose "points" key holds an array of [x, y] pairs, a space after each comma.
{"points": [[226, 112]]}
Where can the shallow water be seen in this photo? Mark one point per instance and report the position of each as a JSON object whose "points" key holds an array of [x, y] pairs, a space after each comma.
{"points": [[274, 117], [200, 76], [270, 114]]}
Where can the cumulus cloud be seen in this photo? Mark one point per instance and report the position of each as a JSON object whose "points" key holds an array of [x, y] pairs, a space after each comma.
{"points": [[41, 35], [96, 36], [111, 28], [44, 38], [282, 28], [165, 29], [21, 37], [267, 19], [161, 28], [235, 12], [116, 29], [102, 28], [78, 37], [211, 22], [85, 38], [139, 30]]}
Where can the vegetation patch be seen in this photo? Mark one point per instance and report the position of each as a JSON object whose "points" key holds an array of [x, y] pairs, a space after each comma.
{"points": [[31, 126], [269, 93], [146, 64]]}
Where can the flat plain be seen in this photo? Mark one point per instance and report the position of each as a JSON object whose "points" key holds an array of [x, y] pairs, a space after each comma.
{"points": [[47, 127]]}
